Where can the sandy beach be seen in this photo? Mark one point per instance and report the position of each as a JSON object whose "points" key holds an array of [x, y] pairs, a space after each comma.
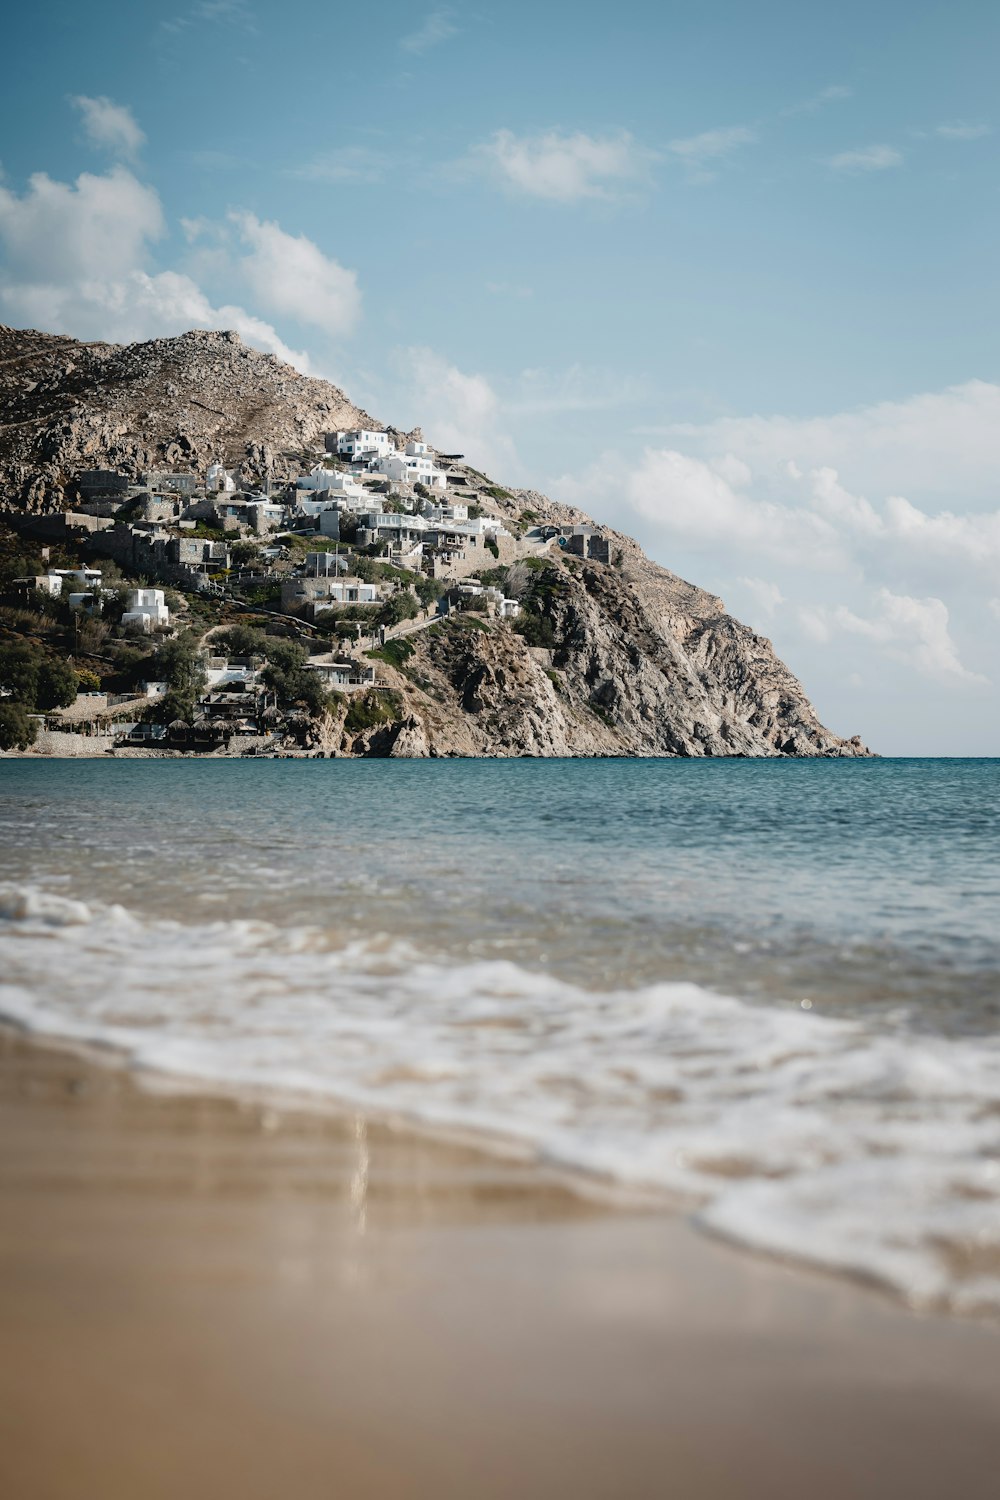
{"points": [[203, 1297]]}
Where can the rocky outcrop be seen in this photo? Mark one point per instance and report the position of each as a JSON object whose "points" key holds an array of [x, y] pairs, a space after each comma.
{"points": [[624, 676], [174, 403]]}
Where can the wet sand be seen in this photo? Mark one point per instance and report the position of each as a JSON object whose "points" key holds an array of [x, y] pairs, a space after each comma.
{"points": [[206, 1298]]}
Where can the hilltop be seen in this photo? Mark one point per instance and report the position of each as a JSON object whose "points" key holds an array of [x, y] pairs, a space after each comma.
{"points": [[164, 404], [610, 653]]}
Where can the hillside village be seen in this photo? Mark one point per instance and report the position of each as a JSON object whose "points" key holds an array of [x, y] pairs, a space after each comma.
{"points": [[203, 551], [379, 538]]}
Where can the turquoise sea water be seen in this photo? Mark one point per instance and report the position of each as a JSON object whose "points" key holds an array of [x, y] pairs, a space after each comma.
{"points": [[768, 989]]}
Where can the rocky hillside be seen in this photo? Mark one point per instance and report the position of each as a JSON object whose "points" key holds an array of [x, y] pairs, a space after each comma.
{"points": [[623, 658], [170, 403], [641, 663]]}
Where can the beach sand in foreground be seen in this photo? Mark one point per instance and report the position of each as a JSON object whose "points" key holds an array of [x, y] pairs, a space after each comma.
{"points": [[204, 1298]]}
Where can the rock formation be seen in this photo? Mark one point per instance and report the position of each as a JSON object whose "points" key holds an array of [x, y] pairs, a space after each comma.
{"points": [[172, 404]]}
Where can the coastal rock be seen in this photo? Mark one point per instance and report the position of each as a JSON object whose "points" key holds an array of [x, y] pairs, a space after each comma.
{"points": [[410, 742]]}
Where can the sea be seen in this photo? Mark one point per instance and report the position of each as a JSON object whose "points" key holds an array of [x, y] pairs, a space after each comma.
{"points": [[764, 993]]}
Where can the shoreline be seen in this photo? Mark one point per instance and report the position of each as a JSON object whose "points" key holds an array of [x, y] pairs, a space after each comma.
{"points": [[206, 1295]]}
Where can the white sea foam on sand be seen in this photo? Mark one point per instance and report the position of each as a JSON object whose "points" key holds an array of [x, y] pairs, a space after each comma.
{"points": [[858, 1146]]}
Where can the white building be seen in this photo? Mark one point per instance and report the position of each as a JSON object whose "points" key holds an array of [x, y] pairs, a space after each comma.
{"points": [[219, 479], [359, 444], [321, 478], [412, 468], [391, 527], [225, 671], [80, 587], [351, 591], [343, 674], [146, 608]]}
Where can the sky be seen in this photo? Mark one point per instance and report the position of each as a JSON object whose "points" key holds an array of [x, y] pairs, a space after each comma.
{"points": [[725, 275]]}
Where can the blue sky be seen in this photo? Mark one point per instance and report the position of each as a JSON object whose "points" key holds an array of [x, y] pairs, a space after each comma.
{"points": [[727, 275]]}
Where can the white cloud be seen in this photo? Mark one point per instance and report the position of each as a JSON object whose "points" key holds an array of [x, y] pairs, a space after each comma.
{"points": [[459, 412], [766, 596], [686, 499], [96, 229], [913, 631], [289, 275], [700, 152], [959, 130], [564, 168], [109, 126], [866, 159], [437, 27], [935, 445], [77, 260]]}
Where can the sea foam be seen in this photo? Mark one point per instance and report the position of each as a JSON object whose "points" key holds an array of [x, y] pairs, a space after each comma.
{"points": [[859, 1145]]}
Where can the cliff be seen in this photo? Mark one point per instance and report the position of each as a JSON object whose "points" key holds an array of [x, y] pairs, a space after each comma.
{"points": [[642, 664], [615, 658]]}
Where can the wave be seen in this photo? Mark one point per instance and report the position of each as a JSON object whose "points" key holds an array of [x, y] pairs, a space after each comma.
{"points": [[858, 1146]]}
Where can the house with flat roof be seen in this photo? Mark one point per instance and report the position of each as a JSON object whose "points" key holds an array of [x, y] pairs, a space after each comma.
{"points": [[358, 443]]}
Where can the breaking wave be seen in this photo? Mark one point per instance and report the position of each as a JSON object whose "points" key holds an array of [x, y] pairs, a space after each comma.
{"points": [[859, 1145]]}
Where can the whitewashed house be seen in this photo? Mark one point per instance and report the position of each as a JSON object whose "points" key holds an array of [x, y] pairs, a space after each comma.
{"points": [[358, 444], [391, 527], [321, 478], [412, 468], [219, 480], [146, 608]]}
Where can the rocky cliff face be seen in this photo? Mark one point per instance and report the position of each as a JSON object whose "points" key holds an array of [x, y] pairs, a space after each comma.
{"points": [[170, 403], [622, 658], [641, 664]]}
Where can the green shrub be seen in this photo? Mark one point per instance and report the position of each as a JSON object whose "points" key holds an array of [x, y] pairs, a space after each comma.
{"points": [[57, 685], [428, 589], [20, 665], [493, 578], [400, 607], [395, 653], [240, 640], [368, 710], [17, 731], [536, 629]]}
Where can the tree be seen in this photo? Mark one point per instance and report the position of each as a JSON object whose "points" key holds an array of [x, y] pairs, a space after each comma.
{"points": [[401, 606], [179, 664], [17, 731], [285, 656], [57, 685], [428, 589], [170, 707], [242, 640], [19, 668]]}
